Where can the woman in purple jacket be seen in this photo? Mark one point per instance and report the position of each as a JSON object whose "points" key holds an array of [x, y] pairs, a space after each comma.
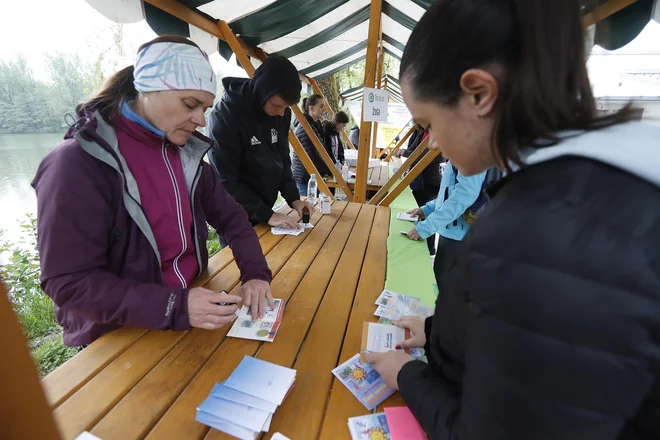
{"points": [[124, 201]]}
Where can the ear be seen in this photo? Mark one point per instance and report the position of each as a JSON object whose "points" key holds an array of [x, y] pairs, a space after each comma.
{"points": [[481, 89]]}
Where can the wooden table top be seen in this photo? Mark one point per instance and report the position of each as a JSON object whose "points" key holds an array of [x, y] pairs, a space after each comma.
{"points": [[377, 175], [134, 383]]}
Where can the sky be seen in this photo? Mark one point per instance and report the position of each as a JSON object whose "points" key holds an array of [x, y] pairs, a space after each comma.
{"points": [[37, 26]]}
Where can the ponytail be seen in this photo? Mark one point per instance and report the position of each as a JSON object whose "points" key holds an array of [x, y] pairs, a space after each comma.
{"points": [[537, 45], [116, 89], [310, 101]]}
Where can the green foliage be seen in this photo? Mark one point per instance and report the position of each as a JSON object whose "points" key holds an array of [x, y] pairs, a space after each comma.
{"points": [[33, 308], [212, 243]]}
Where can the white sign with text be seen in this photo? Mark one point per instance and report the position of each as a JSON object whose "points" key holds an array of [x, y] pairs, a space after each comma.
{"points": [[375, 105]]}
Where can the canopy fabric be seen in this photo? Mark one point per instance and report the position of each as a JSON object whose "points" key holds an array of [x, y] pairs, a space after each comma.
{"points": [[322, 37], [390, 83]]}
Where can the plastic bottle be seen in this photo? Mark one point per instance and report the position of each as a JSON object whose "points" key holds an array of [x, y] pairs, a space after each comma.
{"points": [[344, 171], [311, 189], [338, 166]]}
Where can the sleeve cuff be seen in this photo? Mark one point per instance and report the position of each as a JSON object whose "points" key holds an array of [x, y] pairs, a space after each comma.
{"points": [[423, 229], [426, 209], [410, 371]]}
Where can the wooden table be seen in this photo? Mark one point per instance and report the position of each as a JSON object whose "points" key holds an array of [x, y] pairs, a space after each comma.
{"points": [[377, 175], [134, 383]]}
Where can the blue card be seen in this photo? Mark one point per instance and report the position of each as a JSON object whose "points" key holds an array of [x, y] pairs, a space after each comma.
{"points": [[262, 379]]}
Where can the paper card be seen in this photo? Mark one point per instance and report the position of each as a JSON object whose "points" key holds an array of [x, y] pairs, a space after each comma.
{"points": [[278, 436], [397, 306], [369, 427], [381, 338], [363, 381], [403, 425], [278, 230], [223, 392], [305, 225], [262, 329], [407, 217], [225, 426], [384, 297], [87, 436], [423, 311], [241, 415], [262, 379], [266, 426]]}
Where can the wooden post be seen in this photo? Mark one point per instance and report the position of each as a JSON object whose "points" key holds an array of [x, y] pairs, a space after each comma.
{"points": [[230, 38], [324, 155], [605, 10], [361, 174], [416, 171], [318, 91], [382, 192], [25, 412], [379, 81], [400, 144]]}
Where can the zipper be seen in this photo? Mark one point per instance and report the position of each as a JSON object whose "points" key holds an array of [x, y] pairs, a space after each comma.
{"points": [[192, 209]]}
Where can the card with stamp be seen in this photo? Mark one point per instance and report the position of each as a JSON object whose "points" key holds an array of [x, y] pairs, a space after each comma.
{"points": [[262, 329]]}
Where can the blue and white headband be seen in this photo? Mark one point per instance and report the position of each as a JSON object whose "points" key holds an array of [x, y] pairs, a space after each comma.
{"points": [[173, 66]]}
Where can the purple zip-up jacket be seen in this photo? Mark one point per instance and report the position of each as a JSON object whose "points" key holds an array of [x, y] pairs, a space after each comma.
{"points": [[99, 259]]}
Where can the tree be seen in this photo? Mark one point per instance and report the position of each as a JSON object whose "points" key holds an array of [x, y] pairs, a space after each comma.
{"points": [[71, 80]]}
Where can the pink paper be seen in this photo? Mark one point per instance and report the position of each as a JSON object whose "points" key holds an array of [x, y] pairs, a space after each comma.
{"points": [[403, 425]]}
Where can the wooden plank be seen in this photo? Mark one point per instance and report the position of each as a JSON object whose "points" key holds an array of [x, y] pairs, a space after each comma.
{"points": [[91, 402], [402, 169], [369, 80], [605, 10], [77, 371], [289, 259], [416, 171], [301, 414], [139, 411], [305, 301], [25, 411], [343, 404], [324, 154]]}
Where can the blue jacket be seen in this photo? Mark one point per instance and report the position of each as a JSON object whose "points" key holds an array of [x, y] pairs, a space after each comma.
{"points": [[444, 216]]}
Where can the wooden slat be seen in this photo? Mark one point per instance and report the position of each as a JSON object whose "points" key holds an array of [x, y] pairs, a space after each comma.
{"points": [[86, 407], [416, 171], [305, 300], [301, 414], [605, 10], [77, 371], [380, 195], [343, 404], [289, 259]]}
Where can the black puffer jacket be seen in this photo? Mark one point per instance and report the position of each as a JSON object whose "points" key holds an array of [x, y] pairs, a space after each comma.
{"points": [[330, 136], [300, 174], [547, 326], [430, 178], [354, 135], [251, 155]]}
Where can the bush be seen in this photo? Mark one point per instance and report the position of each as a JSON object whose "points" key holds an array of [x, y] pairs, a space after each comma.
{"points": [[212, 243], [33, 307]]}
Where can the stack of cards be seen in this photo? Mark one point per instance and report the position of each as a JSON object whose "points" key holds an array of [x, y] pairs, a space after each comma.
{"points": [[381, 338], [244, 404], [407, 217], [262, 329], [393, 306], [363, 381], [373, 426]]}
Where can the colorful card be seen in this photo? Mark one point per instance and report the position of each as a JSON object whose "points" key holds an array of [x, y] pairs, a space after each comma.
{"points": [[407, 217], [397, 305], [262, 329], [403, 425], [363, 381], [373, 426], [262, 379], [381, 338]]}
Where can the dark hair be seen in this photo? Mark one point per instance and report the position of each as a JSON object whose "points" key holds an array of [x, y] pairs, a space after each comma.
{"points": [[120, 85], [544, 87], [310, 101], [339, 118], [290, 95]]}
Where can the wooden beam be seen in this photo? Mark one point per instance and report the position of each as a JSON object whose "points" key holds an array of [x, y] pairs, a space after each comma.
{"points": [[382, 192], [369, 80], [400, 144], [605, 10], [318, 91], [416, 171], [25, 412], [234, 44], [379, 81], [324, 154]]}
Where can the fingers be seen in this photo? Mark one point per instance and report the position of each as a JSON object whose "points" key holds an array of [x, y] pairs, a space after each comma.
{"points": [[257, 306], [269, 297], [290, 223], [371, 358], [311, 208], [219, 321], [408, 343]]}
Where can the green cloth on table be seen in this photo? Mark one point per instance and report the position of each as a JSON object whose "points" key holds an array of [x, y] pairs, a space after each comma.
{"points": [[409, 267]]}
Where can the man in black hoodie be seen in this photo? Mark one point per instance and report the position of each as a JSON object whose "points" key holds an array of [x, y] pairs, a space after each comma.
{"points": [[250, 126]]}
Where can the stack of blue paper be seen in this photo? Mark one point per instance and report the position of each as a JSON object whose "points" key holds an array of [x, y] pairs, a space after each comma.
{"points": [[244, 404]]}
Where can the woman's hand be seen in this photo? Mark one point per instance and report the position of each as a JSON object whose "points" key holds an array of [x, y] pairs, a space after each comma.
{"points": [[255, 293], [418, 212], [416, 326], [300, 206], [414, 235], [205, 311], [388, 365], [283, 221]]}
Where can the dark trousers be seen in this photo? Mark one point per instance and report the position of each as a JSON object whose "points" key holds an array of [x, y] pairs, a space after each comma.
{"points": [[444, 258], [422, 197]]}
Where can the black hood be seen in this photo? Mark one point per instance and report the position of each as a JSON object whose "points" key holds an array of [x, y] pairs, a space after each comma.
{"points": [[275, 74]]}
